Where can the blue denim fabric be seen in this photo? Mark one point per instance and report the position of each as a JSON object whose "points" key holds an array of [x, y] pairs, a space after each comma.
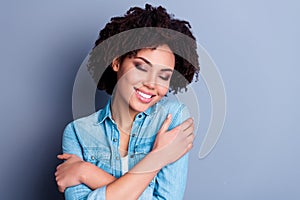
{"points": [[95, 139]]}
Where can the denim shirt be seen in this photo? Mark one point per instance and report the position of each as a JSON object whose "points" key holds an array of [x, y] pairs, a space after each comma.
{"points": [[96, 139]]}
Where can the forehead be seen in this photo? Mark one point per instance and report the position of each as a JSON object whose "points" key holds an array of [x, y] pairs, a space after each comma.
{"points": [[161, 56]]}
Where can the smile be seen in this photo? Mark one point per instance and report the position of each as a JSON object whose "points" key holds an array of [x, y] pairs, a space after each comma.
{"points": [[143, 97]]}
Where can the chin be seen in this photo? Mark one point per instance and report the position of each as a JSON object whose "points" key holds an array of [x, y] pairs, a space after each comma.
{"points": [[139, 107]]}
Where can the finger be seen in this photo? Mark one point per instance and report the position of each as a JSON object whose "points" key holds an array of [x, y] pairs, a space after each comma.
{"points": [[64, 156], [189, 124], [188, 131], [189, 147], [57, 178], [59, 166], [190, 138], [59, 170], [186, 124], [62, 167], [61, 189], [166, 124]]}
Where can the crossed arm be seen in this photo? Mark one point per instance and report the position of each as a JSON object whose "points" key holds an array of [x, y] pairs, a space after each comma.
{"points": [[169, 146]]}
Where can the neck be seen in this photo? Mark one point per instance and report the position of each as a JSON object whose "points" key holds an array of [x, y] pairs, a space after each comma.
{"points": [[121, 114]]}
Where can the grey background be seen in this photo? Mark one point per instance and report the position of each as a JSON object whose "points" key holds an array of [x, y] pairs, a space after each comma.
{"points": [[254, 43]]}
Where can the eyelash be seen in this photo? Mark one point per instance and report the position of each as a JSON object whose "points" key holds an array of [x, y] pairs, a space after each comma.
{"points": [[142, 68], [164, 78]]}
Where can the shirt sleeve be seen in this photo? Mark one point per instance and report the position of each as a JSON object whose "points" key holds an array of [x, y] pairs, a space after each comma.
{"points": [[171, 180], [71, 145]]}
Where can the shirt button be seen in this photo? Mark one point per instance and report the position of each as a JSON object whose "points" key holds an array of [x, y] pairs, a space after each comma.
{"points": [[115, 140], [132, 156], [93, 157], [96, 124], [139, 116], [133, 135], [117, 158]]}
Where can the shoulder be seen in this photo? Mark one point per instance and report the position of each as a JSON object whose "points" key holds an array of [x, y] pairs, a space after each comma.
{"points": [[170, 104], [84, 124], [177, 109], [88, 120]]}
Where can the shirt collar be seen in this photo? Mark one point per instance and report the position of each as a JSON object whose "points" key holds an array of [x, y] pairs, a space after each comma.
{"points": [[106, 111]]}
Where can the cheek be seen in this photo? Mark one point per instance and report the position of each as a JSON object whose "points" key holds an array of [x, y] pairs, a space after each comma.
{"points": [[129, 77], [163, 87], [134, 79], [162, 90]]}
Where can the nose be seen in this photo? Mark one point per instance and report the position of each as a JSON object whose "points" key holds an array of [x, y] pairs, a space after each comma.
{"points": [[150, 82]]}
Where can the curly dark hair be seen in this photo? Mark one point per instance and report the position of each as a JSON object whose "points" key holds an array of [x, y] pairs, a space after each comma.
{"points": [[144, 28]]}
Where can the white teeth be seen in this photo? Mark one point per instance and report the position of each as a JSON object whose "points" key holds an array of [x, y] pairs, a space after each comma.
{"points": [[144, 95]]}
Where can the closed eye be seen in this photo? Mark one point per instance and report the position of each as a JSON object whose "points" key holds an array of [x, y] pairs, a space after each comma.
{"points": [[165, 78], [141, 67], [165, 74]]}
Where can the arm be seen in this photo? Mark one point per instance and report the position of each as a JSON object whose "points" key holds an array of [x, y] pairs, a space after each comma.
{"points": [[171, 180], [168, 147], [75, 171], [69, 174]]}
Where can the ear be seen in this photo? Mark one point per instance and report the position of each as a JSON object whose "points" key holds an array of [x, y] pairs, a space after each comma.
{"points": [[115, 64]]}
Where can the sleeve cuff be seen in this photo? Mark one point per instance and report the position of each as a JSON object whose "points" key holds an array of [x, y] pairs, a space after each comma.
{"points": [[98, 194]]}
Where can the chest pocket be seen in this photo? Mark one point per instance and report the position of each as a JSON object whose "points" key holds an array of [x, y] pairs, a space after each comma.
{"points": [[141, 150], [99, 156]]}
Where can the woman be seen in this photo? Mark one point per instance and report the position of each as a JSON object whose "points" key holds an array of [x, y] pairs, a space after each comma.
{"points": [[137, 146]]}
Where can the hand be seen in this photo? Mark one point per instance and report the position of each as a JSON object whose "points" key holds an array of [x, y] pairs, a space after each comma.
{"points": [[172, 145], [69, 173], [168, 147]]}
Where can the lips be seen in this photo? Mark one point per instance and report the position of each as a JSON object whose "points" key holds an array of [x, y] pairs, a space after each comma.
{"points": [[144, 97], [147, 96]]}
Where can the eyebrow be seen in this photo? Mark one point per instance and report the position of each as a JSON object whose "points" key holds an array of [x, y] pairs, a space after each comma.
{"points": [[149, 63]]}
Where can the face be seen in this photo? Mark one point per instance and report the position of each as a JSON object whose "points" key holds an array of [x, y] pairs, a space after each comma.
{"points": [[143, 79]]}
